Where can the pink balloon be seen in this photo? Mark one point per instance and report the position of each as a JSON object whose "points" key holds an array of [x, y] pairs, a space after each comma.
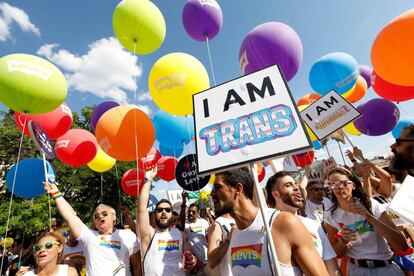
{"points": [[151, 158], [76, 148], [166, 168], [55, 123], [130, 179]]}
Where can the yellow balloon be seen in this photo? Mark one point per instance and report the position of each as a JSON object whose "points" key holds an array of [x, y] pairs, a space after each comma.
{"points": [[174, 79], [212, 178], [310, 132], [351, 129], [102, 162]]}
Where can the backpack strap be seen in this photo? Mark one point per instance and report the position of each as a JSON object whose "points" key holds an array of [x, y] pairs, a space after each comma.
{"points": [[149, 246], [275, 212]]}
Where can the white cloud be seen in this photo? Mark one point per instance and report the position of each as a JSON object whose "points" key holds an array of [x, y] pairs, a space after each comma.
{"points": [[143, 97], [12, 14], [106, 71]]}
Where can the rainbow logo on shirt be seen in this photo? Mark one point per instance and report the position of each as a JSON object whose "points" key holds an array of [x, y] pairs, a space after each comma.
{"points": [[247, 255], [196, 229], [110, 244], [171, 245], [362, 226]]}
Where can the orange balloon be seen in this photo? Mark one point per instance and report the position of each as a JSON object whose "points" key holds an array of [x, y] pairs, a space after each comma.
{"points": [[358, 91], [309, 99], [116, 131], [392, 51]]}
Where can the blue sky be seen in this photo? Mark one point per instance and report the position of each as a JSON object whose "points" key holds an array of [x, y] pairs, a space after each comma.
{"points": [[77, 36]]}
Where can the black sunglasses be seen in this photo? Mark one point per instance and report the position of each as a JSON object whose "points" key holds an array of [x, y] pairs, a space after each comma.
{"points": [[160, 209], [48, 245], [399, 140], [98, 215]]}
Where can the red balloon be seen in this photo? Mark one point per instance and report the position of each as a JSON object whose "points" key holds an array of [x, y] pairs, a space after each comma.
{"points": [[166, 168], [261, 171], [55, 123], [132, 182], [77, 147], [151, 158], [390, 91], [303, 159]]}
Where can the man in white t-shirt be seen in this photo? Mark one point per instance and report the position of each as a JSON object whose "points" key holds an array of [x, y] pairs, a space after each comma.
{"points": [[247, 251], [316, 202], [286, 196], [107, 250]]}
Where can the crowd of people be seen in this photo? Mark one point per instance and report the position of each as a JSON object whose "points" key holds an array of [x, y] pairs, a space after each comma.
{"points": [[337, 224]]}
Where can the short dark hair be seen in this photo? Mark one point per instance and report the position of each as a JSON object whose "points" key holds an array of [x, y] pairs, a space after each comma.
{"points": [[194, 205], [239, 175], [312, 183], [272, 183], [410, 128], [163, 201]]}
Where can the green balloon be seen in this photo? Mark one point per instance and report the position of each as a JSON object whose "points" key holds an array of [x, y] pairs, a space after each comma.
{"points": [[139, 26], [29, 84]]}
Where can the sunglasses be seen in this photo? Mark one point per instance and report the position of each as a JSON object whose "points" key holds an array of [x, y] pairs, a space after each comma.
{"points": [[160, 209], [98, 215], [337, 184], [399, 140], [48, 245]]}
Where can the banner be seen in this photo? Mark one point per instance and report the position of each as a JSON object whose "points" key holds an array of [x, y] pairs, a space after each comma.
{"points": [[249, 119], [402, 203]]}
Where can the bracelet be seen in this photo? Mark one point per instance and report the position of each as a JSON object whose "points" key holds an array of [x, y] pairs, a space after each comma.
{"points": [[55, 193], [57, 196]]}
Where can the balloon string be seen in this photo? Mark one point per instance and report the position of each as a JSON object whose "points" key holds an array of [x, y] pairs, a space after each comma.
{"points": [[327, 149], [342, 154], [211, 61], [102, 180], [347, 138], [119, 192], [48, 195], [12, 192]]}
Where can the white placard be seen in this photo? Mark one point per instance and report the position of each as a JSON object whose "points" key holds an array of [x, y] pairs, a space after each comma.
{"points": [[328, 114], [174, 196], [403, 201], [245, 120]]}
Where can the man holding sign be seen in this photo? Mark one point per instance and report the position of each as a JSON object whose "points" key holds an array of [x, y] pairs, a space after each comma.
{"points": [[248, 250]]}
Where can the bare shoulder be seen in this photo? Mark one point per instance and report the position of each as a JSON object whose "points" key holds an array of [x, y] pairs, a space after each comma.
{"points": [[72, 271], [285, 222]]}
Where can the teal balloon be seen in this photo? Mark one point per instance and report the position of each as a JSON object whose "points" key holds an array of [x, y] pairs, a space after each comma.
{"points": [[317, 145], [175, 152], [396, 132], [30, 84], [335, 71], [173, 131], [29, 178]]}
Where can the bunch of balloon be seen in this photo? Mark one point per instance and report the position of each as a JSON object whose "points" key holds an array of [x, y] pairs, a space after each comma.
{"points": [[29, 84], [268, 44], [173, 80], [132, 181], [357, 92], [125, 133], [173, 131], [390, 91], [55, 123], [166, 167], [396, 132], [378, 117], [99, 110], [334, 71], [365, 71], [76, 148], [102, 162], [139, 26], [303, 159]]}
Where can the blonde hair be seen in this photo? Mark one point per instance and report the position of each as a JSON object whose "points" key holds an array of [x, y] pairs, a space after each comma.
{"points": [[59, 238]]}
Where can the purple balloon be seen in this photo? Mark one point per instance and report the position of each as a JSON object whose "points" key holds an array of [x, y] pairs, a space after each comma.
{"points": [[202, 18], [365, 71], [378, 117], [268, 44], [99, 110]]}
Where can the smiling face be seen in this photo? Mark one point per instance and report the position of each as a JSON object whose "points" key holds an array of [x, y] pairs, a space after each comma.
{"points": [[104, 219], [341, 186], [47, 251]]}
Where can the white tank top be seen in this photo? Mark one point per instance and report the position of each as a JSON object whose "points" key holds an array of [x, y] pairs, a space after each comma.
{"points": [[63, 271], [225, 223], [248, 253], [164, 255]]}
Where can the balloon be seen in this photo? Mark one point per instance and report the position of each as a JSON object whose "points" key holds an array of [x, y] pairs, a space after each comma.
{"points": [[303, 159], [173, 131], [317, 145], [390, 91], [351, 129], [312, 135], [116, 131], [261, 171], [130, 181], [54, 123], [99, 110], [102, 162], [378, 117], [357, 92], [308, 99], [268, 44], [166, 151], [202, 19], [76, 148], [365, 71], [174, 79], [396, 132], [29, 84], [212, 178], [392, 51], [335, 71], [166, 168], [151, 158], [139, 26], [29, 178]]}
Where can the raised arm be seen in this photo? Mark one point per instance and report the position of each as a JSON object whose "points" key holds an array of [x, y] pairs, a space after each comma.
{"points": [[385, 180], [65, 209], [184, 196], [144, 229], [127, 219]]}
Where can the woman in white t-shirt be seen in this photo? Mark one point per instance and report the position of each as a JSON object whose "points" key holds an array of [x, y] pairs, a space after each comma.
{"points": [[359, 228], [48, 251]]}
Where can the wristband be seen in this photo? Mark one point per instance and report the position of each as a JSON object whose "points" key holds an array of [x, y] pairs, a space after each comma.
{"points": [[57, 196], [55, 193]]}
